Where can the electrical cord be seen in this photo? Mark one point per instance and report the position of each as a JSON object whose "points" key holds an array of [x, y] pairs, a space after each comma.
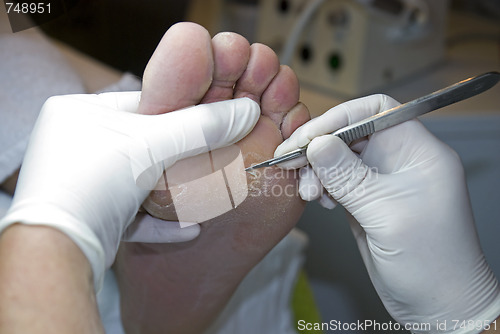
{"points": [[298, 28]]}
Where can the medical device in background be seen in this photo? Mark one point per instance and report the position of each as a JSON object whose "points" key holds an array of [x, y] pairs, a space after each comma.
{"points": [[343, 47], [353, 47]]}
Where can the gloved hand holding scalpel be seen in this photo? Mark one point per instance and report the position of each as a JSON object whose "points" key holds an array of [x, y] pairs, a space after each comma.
{"points": [[409, 210]]}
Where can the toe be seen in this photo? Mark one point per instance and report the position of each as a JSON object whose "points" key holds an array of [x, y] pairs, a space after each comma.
{"points": [[231, 53], [292, 120], [281, 95], [180, 70], [262, 67]]}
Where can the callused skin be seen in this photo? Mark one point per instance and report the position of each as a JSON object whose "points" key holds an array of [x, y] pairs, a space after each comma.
{"points": [[181, 288]]}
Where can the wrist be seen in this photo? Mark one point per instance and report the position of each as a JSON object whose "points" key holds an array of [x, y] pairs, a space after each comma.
{"points": [[61, 222], [45, 283]]}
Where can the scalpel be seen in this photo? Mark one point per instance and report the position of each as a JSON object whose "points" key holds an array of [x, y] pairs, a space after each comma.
{"points": [[457, 92]]}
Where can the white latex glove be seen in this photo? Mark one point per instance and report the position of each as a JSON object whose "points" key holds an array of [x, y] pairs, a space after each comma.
{"points": [[91, 162], [410, 213]]}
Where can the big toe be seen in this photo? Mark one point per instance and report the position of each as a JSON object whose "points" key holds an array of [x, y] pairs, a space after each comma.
{"points": [[180, 71]]}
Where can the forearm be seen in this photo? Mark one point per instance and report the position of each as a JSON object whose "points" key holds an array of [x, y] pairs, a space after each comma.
{"points": [[45, 283]]}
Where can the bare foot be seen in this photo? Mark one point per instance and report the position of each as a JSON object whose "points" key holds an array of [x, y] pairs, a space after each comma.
{"points": [[181, 288]]}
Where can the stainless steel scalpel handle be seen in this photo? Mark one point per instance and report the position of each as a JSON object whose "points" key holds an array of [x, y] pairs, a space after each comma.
{"points": [[457, 92]]}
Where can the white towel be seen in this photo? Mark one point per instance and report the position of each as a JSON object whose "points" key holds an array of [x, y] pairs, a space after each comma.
{"points": [[5, 201], [31, 70]]}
